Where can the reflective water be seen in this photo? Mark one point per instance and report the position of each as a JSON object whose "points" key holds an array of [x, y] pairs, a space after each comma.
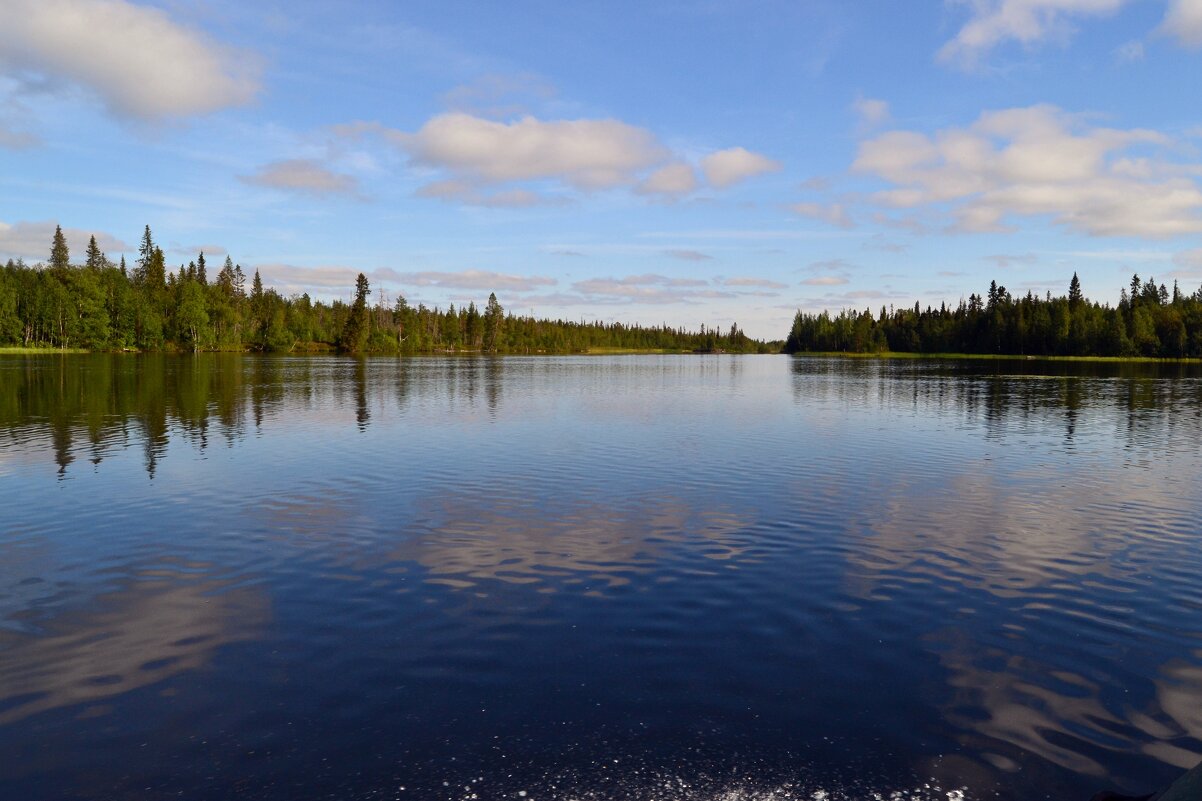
{"points": [[678, 577]]}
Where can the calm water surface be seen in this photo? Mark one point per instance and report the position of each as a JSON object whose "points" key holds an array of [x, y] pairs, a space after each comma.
{"points": [[662, 578]]}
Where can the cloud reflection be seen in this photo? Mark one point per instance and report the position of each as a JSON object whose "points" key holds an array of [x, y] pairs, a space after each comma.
{"points": [[127, 640]]}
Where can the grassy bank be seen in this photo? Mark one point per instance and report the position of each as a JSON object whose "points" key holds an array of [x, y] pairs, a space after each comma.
{"points": [[41, 351], [996, 357]]}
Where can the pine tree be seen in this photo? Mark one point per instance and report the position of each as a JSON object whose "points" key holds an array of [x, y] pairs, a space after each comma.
{"points": [[95, 259], [239, 282], [355, 332], [60, 257]]}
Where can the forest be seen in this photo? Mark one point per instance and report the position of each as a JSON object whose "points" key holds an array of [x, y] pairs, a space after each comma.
{"points": [[99, 305], [1150, 321]]}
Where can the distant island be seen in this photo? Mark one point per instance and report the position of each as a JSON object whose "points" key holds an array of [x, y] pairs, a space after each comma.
{"points": [[1150, 321], [104, 306]]}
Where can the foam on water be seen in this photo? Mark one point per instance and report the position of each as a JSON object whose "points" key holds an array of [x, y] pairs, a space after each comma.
{"points": [[640, 785]]}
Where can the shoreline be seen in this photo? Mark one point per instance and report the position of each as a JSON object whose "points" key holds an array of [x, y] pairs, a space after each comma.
{"points": [[904, 355], [23, 351]]}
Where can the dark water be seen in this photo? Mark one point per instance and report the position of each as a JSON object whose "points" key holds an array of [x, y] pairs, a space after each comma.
{"points": [[663, 578]]}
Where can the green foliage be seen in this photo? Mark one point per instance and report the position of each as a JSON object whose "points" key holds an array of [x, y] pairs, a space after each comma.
{"points": [[100, 306], [1148, 321], [192, 315]]}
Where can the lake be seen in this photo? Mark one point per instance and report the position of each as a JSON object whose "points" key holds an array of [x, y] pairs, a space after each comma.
{"points": [[719, 578]]}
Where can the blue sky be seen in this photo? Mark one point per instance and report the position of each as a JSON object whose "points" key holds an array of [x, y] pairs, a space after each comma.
{"points": [[675, 162]]}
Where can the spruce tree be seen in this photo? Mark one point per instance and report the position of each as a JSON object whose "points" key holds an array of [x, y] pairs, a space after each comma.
{"points": [[59, 255], [358, 323], [156, 270], [95, 259], [145, 254], [494, 318], [1074, 292], [200, 269]]}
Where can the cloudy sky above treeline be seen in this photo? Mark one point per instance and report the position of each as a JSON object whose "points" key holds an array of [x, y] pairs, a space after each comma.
{"points": [[679, 162]]}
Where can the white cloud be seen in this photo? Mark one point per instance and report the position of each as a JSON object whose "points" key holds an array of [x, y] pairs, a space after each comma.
{"points": [[466, 279], [1028, 22], [688, 255], [1129, 52], [304, 176], [833, 214], [288, 278], [727, 167], [472, 153], [458, 191], [137, 60], [1189, 266], [673, 179], [645, 279], [340, 280], [1038, 161], [587, 154], [829, 264], [871, 112], [859, 298], [11, 139], [1183, 22], [884, 244], [192, 250], [649, 289], [825, 280], [1004, 261], [748, 234], [762, 283], [500, 94], [31, 241]]}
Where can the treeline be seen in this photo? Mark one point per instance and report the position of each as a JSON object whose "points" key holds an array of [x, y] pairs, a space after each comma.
{"points": [[1150, 320], [102, 305]]}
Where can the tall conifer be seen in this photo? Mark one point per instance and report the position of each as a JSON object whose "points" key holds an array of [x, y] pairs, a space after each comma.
{"points": [[60, 257], [95, 258]]}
